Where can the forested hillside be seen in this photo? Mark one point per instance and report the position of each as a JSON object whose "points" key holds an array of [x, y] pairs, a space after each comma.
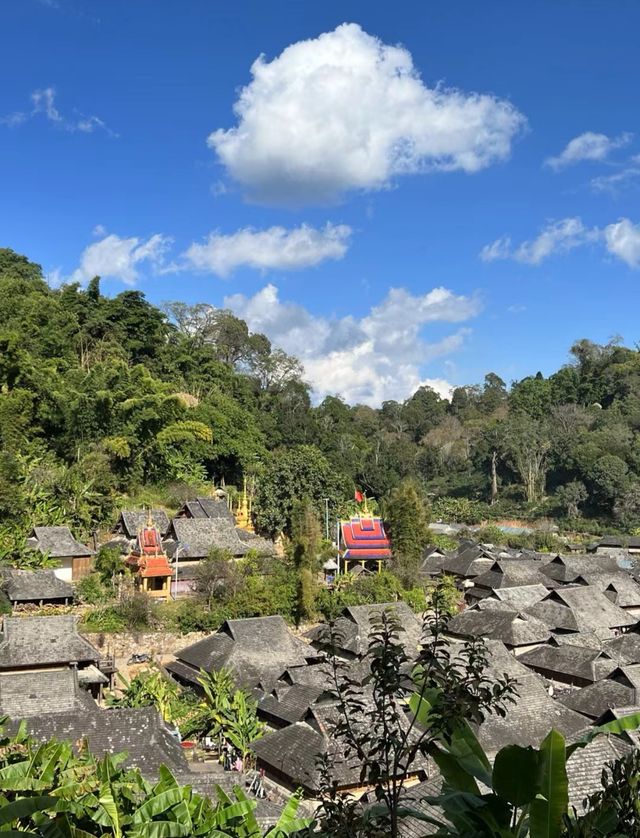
{"points": [[105, 397]]}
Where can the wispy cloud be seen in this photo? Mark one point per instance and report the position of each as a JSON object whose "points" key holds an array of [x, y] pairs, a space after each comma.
{"points": [[555, 237], [623, 178], [621, 239], [43, 105], [588, 146]]}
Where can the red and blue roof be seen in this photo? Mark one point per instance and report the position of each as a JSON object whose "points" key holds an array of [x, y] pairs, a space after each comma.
{"points": [[365, 538]]}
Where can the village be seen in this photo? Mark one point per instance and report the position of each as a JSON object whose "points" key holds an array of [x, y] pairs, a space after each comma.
{"points": [[565, 627]]}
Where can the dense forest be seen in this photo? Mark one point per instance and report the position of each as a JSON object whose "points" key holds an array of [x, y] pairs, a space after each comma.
{"points": [[111, 400]]}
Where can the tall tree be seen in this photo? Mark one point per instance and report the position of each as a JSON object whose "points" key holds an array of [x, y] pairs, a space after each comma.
{"points": [[408, 521], [306, 542]]}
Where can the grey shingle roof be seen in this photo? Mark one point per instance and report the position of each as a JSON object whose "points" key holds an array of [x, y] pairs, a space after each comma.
{"points": [[131, 521], [291, 753], [468, 562], [34, 586], [199, 535], [595, 699], [521, 596], [413, 798], [288, 705], [569, 568], [207, 508], [30, 642], [573, 662], [25, 694], [507, 573], [138, 731], [580, 608], [511, 627], [620, 586], [625, 648], [256, 542], [353, 628], [257, 650], [584, 767], [530, 719], [58, 542]]}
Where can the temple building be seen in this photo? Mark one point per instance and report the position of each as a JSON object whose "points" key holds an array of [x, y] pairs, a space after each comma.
{"points": [[149, 563], [365, 543]]}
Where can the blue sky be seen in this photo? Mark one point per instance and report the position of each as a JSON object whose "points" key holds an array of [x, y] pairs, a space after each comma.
{"points": [[467, 202]]}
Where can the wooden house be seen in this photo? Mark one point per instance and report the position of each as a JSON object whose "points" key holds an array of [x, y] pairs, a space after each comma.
{"points": [[58, 543]]}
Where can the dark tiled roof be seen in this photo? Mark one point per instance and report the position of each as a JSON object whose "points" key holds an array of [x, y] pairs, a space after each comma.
{"points": [[468, 562], [58, 543], [580, 608], [521, 596], [414, 799], [25, 694], [530, 719], [137, 731], [507, 573], [40, 641], [34, 586], [199, 535], [257, 650], [595, 699], [584, 767], [293, 750], [131, 521], [292, 753], [201, 508], [353, 628], [570, 662], [290, 704], [256, 542], [620, 586], [625, 648], [511, 627]]}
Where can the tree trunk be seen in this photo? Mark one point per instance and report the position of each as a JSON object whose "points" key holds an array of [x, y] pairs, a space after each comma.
{"points": [[494, 478]]}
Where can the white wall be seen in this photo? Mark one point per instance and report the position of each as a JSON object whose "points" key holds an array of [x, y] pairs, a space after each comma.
{"points": [[65, 571]]}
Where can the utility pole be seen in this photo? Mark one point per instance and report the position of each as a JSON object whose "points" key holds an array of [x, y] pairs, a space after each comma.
{"points": [[176, 557], [326, 518]]}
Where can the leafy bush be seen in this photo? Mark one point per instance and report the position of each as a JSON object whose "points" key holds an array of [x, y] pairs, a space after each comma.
{"points": [[458, 510], [136, 612], [91, 590], [492, 535], [107, 619]]}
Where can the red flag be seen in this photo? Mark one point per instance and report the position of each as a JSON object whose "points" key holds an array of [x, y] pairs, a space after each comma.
{"points": [[358, 496]]}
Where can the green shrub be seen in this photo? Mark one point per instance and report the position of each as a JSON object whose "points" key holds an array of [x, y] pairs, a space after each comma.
{"points": [[107, 620], [91, 589], [459, 510], [492, 535]]}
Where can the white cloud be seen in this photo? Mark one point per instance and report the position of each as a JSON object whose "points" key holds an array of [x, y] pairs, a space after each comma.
{"points": [[44, 104], [588, 146], [345, 111], [99, 231], [624, 177], [499, 249], [623, 240], [557, 237], [273, 249], [119, 258], [377, 357]]}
